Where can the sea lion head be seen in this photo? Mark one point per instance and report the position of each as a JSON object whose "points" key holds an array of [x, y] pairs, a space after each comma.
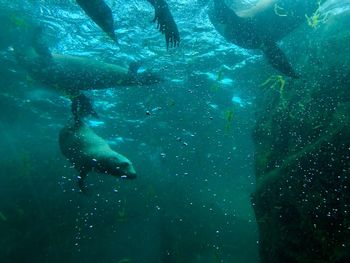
{"points": [[116, 165]]}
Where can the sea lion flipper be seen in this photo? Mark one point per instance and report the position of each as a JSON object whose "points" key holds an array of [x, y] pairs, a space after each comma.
{"points": [[101, 14], [278, 59], [165, 22]]}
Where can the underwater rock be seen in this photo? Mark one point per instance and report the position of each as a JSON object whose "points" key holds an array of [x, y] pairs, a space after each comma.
{"points": [[302, 139]]}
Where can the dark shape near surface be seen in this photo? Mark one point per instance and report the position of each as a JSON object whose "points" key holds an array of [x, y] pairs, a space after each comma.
{"points": [[165, 22], [101, 14], [248, 33]]}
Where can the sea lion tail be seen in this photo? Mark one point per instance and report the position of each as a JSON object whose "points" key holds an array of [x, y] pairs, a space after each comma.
{"points": [[278, 59]]}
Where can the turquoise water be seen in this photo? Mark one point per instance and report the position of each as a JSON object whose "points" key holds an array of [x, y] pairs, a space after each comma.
{"points": [[190, 137]]}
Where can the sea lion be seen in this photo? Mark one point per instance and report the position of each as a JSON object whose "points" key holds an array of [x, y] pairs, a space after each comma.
{"points": [[278, 18], [87, 151], [72, 74], [102, 15], [262, 30], [258, 7]]}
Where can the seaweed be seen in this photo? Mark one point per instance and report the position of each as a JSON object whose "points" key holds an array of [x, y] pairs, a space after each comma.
{"points": [[317, 18]]}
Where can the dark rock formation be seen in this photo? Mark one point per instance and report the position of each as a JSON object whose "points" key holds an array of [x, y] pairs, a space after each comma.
{"points": [[302, 137]]}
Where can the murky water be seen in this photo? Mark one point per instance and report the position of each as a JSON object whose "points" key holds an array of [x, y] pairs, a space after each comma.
{"points": [[194, 121]]}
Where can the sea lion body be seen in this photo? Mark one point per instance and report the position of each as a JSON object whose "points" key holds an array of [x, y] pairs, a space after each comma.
{"points": [[72, 74], [260, 31], [77, 73], [87, 152], [242, 32]]}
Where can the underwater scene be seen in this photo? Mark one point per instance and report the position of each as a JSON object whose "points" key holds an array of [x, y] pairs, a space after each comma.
{"points": [[175, 131]]}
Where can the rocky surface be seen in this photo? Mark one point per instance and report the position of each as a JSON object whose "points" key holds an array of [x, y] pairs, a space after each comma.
{"points": [[302, 138]]}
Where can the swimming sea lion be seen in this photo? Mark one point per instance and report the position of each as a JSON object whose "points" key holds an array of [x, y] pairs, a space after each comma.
{"points": [[259, 32], [101, 14], [87, 151], [71, 74]]}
